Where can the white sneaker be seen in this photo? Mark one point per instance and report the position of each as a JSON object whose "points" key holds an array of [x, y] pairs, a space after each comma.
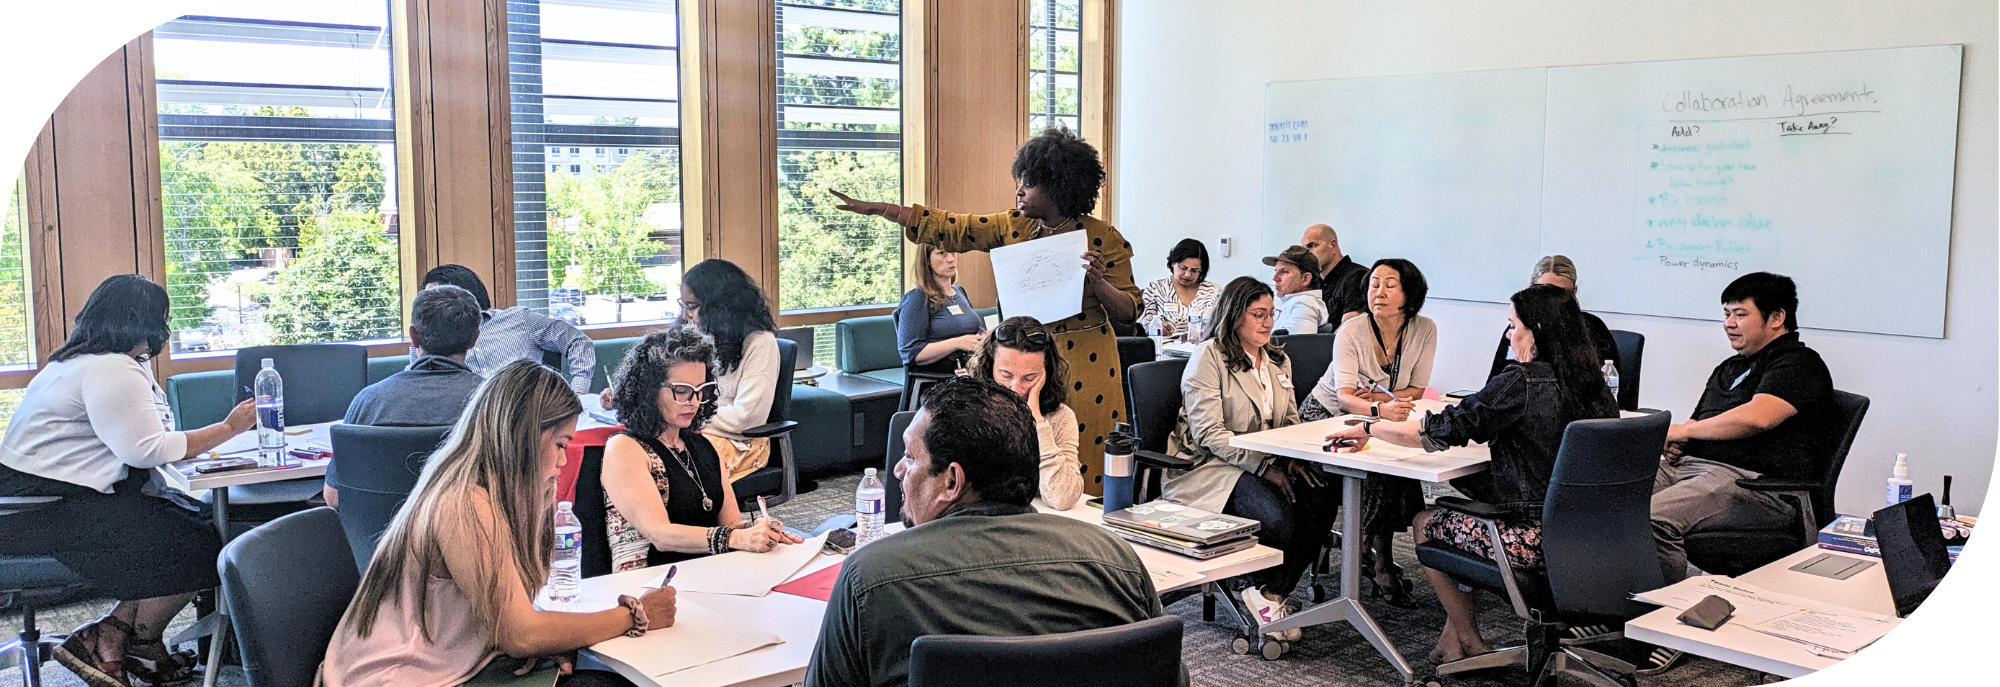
{"points": [[1267, 611]]}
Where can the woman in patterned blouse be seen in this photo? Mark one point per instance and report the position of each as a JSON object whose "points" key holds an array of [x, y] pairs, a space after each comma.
{"points": [[1185, 294]]}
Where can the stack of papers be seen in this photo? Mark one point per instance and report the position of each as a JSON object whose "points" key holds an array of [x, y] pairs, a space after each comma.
{"points": [[1826, 629], [742, 573], [699, 636]]}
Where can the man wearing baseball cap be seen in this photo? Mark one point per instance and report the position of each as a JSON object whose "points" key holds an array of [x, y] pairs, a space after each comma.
{"points": [[1301, 310]]}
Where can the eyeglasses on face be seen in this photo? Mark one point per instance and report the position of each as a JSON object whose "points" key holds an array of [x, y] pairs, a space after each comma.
{"points": [[1009, 333], [686, 393], [687, 307]]}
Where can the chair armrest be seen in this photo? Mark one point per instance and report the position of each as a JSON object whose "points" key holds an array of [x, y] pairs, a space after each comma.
{"points": [[1650, 411], [771, 430], [1473, 508], [1761, 484], [1155, 459], [21, 504]]}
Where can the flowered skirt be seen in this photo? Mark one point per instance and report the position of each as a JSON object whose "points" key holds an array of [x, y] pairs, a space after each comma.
{"points": [[1523, 539]]}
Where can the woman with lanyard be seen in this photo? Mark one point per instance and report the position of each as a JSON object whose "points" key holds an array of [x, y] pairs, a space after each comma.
{"points": [[1058, 177], [1178, 305], [1381, 364]]}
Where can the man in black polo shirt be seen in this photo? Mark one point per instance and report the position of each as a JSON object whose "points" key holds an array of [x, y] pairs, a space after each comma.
{"points": [[1343, 283], [1768, 411]]}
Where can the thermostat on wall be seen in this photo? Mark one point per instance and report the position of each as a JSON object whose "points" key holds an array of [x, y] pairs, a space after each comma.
{"points": [[1228, 245]]}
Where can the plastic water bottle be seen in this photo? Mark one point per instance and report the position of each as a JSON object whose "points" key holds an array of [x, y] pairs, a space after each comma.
{"points": [[868, 500], [1611, 378], [566, 562], [1900, 487], [270, 392]]}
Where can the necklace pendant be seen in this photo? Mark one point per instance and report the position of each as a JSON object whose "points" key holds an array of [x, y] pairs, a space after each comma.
{"points": [[707, 503]]}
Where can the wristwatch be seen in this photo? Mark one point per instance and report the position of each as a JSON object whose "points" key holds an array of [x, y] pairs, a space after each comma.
{"points": [[1375, 409]]}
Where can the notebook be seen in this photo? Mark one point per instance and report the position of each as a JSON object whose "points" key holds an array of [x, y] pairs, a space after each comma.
{"points": [[1175, 521]]}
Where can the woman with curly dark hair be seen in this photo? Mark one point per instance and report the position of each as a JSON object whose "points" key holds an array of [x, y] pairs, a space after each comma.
{"points": [[1057, 176], [664, 482]]}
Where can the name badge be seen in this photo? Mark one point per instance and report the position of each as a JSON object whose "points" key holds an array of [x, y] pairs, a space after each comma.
{"points": [[1285, 379], [955, 310]]}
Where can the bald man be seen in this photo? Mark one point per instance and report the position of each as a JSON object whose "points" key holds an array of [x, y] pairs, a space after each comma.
{"points": [[1343, 283]]}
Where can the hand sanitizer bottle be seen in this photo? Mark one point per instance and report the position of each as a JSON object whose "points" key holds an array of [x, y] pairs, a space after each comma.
{"points": [[1900, 488]]}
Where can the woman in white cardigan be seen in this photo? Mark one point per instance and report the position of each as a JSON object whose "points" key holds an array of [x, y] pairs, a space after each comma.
{"points": [[1238, 382], [1381, 365], [724, 302], [90, 428]]}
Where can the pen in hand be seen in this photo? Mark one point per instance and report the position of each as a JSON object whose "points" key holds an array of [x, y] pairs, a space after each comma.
{"points": [[671, 571]]}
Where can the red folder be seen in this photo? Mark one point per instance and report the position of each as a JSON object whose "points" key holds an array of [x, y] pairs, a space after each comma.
{"points": [[818, 585]]}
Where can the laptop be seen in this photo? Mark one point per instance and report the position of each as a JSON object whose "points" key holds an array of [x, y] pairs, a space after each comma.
{"points": [[803, 336], [1913, 552], [1189, 549], [1175, 521]]}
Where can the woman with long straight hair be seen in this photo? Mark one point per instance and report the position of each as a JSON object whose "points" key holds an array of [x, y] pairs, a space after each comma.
{"points": [[1520, 414], [1239, 382], [936, 327], [453, 582]]}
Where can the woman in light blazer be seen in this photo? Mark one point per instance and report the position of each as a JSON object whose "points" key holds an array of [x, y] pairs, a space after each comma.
{"points": [[1237, 382]]}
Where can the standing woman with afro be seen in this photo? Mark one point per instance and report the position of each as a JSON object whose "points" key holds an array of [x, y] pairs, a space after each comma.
{"points": [[1056, 176]]}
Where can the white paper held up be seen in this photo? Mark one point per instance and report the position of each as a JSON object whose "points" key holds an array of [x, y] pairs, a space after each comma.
{"points": [[1043, 278], [743, 573], [699, 636]]}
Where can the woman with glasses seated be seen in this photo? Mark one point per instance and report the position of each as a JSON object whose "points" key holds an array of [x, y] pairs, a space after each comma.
{"points": [[664, 482], [1021, 355], [936, 327]]}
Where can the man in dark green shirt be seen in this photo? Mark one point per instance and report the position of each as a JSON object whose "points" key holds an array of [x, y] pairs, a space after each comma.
{"points": [[977, 559]]}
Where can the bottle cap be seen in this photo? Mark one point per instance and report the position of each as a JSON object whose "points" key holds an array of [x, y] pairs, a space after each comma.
{"points": [[870, 472], [1902, 465], [562, 506], [267, 363]]}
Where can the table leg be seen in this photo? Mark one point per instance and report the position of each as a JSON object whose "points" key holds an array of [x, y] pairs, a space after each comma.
{"points": [[1345, 607], [219, 508]]}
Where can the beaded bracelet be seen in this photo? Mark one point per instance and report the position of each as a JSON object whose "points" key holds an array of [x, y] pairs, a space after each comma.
{"points": [[639, 623], [718, 540]]}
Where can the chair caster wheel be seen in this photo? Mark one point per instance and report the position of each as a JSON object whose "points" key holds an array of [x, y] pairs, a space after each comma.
{"points": [[1318, 594], [1274, 649], [1240, 646]]}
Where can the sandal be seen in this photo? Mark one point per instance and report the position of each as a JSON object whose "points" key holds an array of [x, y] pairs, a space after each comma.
{"points": [[152, 662], [1659, 660], [1391, 587], [82, 652]]}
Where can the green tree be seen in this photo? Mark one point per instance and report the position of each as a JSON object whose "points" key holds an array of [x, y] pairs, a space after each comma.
{"points": [[828, 258], [343, 287], [596, 232], [15, 348]]}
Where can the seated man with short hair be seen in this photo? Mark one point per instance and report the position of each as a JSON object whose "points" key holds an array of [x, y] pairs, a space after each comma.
{"points": [[977, 558], [1768, 411], [433, 390]]}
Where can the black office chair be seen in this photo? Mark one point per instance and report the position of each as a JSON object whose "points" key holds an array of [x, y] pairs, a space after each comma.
{"points": [[916, 377], [892, 501], [778, 480], [28, 583], [1142, 654], [1133, 350], [1154, 392], [589, 506], [1734, 552], [320, 381], [374, 469], [1597, 543], [1310, 355], [287, 584], [1631, 359]]}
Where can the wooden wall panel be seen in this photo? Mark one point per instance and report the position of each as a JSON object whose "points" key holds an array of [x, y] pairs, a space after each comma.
{"points": [[729, 144], [97, 199], [1097, 92], [454, 190], [974, 108]]}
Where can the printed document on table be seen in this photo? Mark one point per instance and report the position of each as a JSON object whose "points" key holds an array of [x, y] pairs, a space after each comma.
{"points": [[1169, 577], [743, 573], [699, 636], [1816, 624], [1042, 279]]}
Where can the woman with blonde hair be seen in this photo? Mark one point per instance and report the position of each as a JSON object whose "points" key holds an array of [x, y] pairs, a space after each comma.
{"points": [[453, 583]]}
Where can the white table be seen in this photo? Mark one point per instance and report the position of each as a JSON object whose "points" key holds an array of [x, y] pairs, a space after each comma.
{"points": [[1305, 441], [1867, 590], [797, 619], [181, 475]]}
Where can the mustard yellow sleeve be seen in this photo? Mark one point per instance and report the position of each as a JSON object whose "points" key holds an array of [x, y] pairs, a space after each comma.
{"points": [[961, 233], [1117, 254]]}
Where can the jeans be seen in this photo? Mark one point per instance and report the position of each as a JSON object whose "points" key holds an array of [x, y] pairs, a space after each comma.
{"points": [[1298, 528], [1698, 495]]}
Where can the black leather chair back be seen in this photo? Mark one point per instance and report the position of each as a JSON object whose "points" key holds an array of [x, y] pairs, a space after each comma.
{"points": [[1155, 389], [374, 469], [1133, 350], [589, 506], [1142, 654], [1310, 355], [320, 379], [770, 479], [1631, 359], [1597, 527], [781, 399], [287, 584], [1853, 409], [892, 501]]}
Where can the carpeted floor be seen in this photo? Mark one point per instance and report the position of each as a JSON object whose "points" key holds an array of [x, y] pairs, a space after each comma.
{"points": [[1327, 655]]}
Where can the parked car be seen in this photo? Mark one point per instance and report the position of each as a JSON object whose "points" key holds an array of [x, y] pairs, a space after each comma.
{"points": [[567, 313], [194, 340], [569, 296]]}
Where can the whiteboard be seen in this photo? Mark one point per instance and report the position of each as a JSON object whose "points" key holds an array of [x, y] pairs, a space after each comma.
{"points": [[1663, 180]]}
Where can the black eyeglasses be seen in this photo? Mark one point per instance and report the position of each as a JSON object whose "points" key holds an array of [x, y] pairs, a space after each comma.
{"points": [[1008, 333], [684, 393]]}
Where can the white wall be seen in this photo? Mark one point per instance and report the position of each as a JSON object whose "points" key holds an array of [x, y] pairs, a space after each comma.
{"points": [[1190, 104]]}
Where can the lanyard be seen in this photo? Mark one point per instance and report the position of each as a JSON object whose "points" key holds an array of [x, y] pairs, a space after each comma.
{"points": [[1396, 365]]}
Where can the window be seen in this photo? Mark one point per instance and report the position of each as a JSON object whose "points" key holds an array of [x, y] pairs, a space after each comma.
{"points": [[1054, 39], [17, 334], [597, 73], [624, 151], [277, 147], [839, 126]]}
